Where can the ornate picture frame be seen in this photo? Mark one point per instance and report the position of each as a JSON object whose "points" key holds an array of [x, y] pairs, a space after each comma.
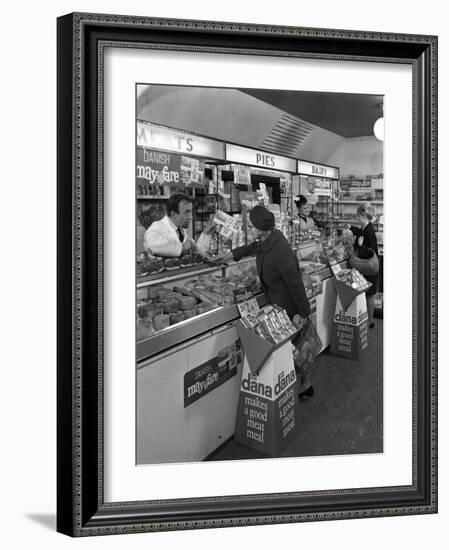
{"points": [[81, 507]]}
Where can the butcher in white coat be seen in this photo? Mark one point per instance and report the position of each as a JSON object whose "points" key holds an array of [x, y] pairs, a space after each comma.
{"points": [[168, 237]]}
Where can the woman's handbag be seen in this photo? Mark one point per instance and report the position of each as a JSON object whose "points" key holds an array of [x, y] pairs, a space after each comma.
{"points": [[369, 266]]}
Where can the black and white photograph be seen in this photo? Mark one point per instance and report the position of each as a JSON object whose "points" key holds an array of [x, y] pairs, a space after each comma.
{"points": [[233, 347], [259, 273]]}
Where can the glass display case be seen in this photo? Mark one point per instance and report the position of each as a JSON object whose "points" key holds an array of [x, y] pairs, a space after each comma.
{"points": [[177, 305], [311, 257], [315, 258]]}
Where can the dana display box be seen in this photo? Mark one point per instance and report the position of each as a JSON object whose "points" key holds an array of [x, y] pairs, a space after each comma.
{"points": [[267, 414], [350, 323]]}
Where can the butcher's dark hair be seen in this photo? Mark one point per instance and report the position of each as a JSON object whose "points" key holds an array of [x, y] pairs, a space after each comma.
{"points": [[174, 201]]}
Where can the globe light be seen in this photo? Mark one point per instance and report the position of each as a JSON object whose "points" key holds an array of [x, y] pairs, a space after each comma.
{"points": [[379, 129]]}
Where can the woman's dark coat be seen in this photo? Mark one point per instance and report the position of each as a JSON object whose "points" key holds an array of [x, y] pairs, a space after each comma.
{"points": [[279, 273], [369, 240]]}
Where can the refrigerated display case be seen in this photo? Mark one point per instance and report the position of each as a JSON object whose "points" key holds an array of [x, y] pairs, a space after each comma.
{"points": [[315, 259], [178, 305], [188, 373]]}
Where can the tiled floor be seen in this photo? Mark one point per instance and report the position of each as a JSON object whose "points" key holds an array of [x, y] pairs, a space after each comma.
{"points": [[345, 414]]}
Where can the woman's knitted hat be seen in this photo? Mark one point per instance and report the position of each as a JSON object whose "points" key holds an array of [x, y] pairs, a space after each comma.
{"points": [[261, 218]]}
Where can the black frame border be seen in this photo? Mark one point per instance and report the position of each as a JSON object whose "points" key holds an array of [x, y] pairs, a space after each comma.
{"points": [[80, 507]]}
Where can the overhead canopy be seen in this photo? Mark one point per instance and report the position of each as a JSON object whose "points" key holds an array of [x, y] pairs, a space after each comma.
{"points": [[348, 115], [235, 117]]}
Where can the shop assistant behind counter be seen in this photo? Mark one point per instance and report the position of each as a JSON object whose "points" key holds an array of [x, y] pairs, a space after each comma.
{"points": [[168, 237], [305, 222]]}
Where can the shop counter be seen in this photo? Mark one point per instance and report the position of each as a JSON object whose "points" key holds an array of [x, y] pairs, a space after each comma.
{"points": [[188, 376], [187, 398], [189, 330], [243, 275]]}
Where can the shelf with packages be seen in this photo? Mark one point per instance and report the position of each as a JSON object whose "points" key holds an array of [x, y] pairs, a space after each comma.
{"points": [[153, 197], [173, 307], [315, 260], [355, 191], [342, 201], [356, 221]]}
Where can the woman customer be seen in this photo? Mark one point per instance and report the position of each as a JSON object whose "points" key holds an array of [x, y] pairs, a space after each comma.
{"points": [[365, 238], [279, 275]]}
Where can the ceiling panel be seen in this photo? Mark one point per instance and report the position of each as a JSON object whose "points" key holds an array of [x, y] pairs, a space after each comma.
{"points": [[348, 115]]}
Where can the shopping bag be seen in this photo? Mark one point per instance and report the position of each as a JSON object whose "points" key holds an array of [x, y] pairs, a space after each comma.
{"points": [[369, 266], [307, 345]]}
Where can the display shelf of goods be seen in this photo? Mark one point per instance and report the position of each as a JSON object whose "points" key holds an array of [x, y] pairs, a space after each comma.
{"points": [[150, 268], [147, 191], [153, 197], [271, 323], [188, 304], [357, 222], [340, 201], [337, 249], [314, 260], [353, 278]]}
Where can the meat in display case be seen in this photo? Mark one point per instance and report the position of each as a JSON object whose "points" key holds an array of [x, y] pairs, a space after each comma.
{"points": [[175, 306]]}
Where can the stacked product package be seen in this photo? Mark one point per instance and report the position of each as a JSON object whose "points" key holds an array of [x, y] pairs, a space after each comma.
{"points": [[270, 323], [238, 236], [229, 230], [353, 278]]}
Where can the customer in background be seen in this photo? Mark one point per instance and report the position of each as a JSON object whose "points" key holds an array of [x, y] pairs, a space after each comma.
{"points": [[279, 274], [365, 236], [305, 222]]}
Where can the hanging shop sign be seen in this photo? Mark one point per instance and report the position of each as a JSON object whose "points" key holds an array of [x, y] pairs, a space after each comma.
{"points": [[208, 376], [253, 157], [320, 170], [166, 139], [155, 169], [192, 172]]}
